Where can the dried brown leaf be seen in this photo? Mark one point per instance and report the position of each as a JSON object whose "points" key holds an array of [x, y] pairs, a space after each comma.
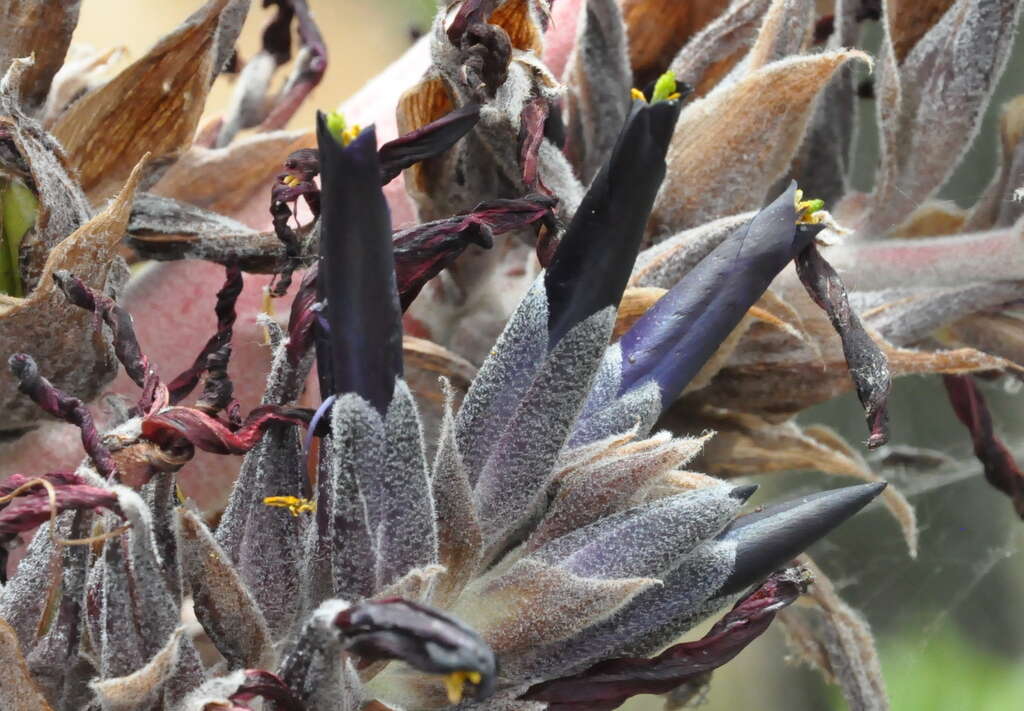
{"points": [[225, 179], [521, 19], [17, 690], [761, 117], [786, 30], [657, 30], [633, 305], [713, 52], [910, 20], [76, 357], [427, 101], [997, 334], [41, 29], [933, 219], [153, 106], [836, 639]]}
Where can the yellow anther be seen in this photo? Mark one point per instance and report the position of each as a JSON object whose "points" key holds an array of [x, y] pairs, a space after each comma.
{"points": [[349, 134], [291, 181], [637, 94], [294, 504], [456, 680]]}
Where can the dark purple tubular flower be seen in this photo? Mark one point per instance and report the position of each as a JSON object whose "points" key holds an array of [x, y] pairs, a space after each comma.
{"points": [[356, 273], [422, 637], [593, 261], [672, 341]]}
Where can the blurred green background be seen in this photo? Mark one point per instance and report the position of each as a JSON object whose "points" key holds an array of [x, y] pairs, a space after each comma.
{"points": [[950, 624]]}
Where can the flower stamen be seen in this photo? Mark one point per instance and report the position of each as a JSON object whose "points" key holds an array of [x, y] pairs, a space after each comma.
{"points": [[455, 682], [294, 504]]}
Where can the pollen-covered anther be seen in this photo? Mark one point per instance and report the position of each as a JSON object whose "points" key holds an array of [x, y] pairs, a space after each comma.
{"points": [[455, 682], [294, 504]]}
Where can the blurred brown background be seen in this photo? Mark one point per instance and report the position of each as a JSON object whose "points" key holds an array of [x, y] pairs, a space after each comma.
{"points": [[950, 624]]}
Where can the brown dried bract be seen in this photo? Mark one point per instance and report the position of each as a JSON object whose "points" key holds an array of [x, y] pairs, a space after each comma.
{"points": [[152, 106]]}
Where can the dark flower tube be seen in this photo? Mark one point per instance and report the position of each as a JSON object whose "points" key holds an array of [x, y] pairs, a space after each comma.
{"points": [[593, 261], [356, 273], [422, 637], [671, 342]]}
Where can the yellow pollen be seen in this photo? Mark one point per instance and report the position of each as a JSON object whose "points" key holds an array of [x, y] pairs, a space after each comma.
{"points": [[456, 680], [294, 504], [349, 134], [291, 181], [635, 93]]}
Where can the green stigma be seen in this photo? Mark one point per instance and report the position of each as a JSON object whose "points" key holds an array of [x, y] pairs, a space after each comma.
{"points": [[665, 88], [18, 209], [339, 128]]}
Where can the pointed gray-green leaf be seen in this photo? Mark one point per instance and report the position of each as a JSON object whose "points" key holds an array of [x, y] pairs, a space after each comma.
{"points": [[907, 316], [24, 598], [222, 602], [122, 649], [730, 33], [342, 543], [143, 687], [158, 613], [266, 543], [52, 658], [458, 530], [511, 485], [502, 380], [684, 592], [408, 537], [639, 408], [598, 87], [644, 541], [607, 483]]}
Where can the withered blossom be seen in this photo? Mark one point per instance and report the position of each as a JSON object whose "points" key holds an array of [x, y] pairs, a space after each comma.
{"points": [[582, 215]]}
